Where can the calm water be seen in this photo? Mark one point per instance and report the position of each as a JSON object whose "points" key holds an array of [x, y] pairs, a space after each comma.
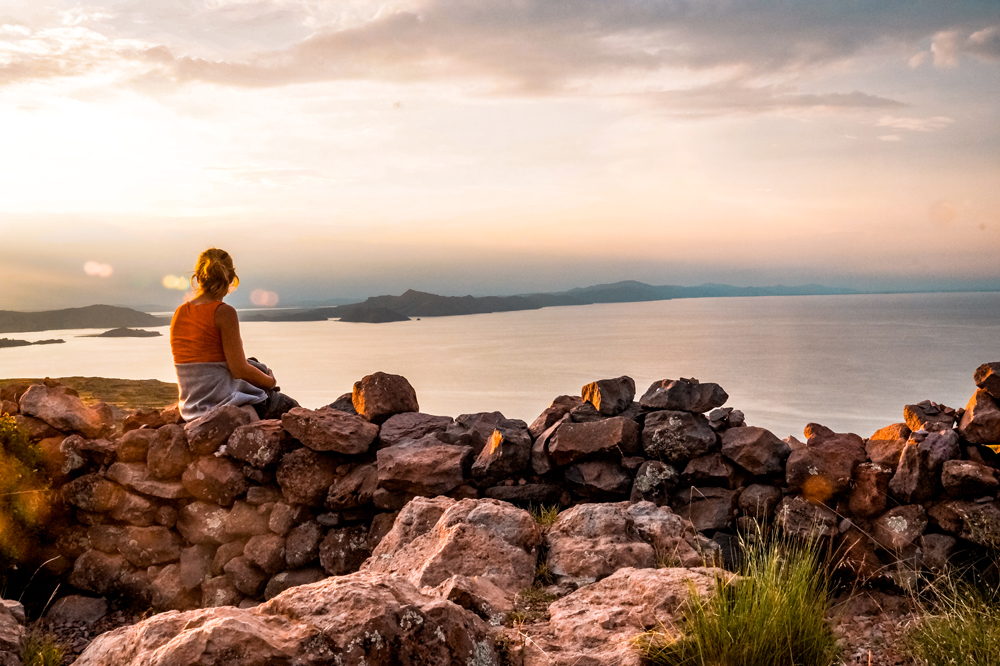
{"points": [[848, 362]]}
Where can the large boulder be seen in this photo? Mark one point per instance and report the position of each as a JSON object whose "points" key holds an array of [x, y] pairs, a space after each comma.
{"points": [[410, 426], [614, 437], [886, 445], [599, 480], [62, 408], [980, 423], [216, 480], [591, 541], [506, 453], [363, 618], [168, 455], [559, 408], [260, 444], [677, 436], [596, 624], [674, 539], [424, 467], [485, 538], [756, 450], [685, 395], [918, 475], [305, 476], [12, 636], [987, 377], [328, 429], [380, 395], [207, 433], [93, 493], [967, 478], [825, 466], [610, 396], [707, 508], [800, 517]]}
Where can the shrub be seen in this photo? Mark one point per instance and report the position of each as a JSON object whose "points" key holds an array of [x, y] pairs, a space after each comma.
{"points": [[960, 625], [24, 498], [545, 516], [773, 616], [41, 649]]}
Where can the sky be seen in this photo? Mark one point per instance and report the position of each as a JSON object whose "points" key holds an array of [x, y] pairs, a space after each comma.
{"points": [[353, 148]]}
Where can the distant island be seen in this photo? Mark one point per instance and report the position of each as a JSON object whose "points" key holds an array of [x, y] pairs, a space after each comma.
{"points": [[7, 342], [381, 309], [421, 304], [93, 316], [123, 332]]}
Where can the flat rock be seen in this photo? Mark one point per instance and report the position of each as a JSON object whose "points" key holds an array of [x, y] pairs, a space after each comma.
{"points": [[685, 395], [286, 580], [610, 396], [381, 395], [423, 467], [596, 624], [614, 437], [677, 436], [327, 429], [591, 541], [599, 480], [534, 494], [475, 538], [260, 444], [305, 476], [77, 608], [207, 433], [135, 476], [410, 426], [707, 508], [966, 478], [61, 408]]}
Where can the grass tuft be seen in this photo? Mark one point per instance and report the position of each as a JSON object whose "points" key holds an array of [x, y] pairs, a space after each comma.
{"points": [[530, 605], [960, 625], [773, 616], [545, 516], [41, 649]]}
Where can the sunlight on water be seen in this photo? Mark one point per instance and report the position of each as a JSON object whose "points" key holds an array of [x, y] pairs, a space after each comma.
{"points": [[848, 362]]}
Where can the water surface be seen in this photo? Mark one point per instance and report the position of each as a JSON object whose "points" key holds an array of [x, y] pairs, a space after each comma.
{"points": [[848, 362]]}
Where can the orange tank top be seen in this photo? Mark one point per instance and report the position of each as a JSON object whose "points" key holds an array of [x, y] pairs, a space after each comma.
{"points": [[194, 337]]}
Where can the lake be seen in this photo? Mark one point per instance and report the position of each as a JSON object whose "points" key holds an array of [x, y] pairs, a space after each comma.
{"points": [[848, 362]]}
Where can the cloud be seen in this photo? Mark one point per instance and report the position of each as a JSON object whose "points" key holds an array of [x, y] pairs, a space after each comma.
{"points": [[985, 43], [744, 98], [915, 124], [890, 137], [949, 45]]}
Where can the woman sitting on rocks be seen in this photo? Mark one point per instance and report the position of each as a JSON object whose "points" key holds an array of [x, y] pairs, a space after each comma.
{"points": [[212, 369]]}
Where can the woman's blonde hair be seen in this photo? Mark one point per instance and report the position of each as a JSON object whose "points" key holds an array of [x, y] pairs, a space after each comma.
{"points": [[214, 273]]}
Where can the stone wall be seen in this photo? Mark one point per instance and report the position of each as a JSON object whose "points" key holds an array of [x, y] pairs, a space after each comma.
{"points": [[232, 510]]}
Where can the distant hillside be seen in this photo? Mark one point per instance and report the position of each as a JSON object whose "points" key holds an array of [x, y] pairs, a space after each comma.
{"points": [[93, 316], [421, 304]]}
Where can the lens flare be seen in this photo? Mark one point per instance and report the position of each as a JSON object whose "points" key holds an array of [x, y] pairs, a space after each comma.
{"points": [[98, 269], [263, 299], [175, 282]]}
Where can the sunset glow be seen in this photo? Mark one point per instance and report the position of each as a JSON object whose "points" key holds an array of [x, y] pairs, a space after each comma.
{"points": [[357, 148]]}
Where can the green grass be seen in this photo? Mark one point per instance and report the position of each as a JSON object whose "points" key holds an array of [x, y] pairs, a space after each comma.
{"points": [[41, 649], [774, 616], [545, 516], [960, 625]]}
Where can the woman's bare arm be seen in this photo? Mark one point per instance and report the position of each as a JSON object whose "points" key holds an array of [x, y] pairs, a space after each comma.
{"points": [[232, 344]]}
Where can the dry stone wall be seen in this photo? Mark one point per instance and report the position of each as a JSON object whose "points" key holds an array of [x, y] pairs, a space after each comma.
{"points": [[232, 510]]}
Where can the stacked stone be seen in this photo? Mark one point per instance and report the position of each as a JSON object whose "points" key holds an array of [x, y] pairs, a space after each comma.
{"points": [[231, 510]]}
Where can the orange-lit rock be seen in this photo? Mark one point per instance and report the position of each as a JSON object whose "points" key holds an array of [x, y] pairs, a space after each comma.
{"points": [[380, 395], [610, 396]]}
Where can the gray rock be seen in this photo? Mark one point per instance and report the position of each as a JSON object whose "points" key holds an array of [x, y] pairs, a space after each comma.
{"points": [[756, 450], [686, 395], [918, 475], [654, 482], [677, 436]]}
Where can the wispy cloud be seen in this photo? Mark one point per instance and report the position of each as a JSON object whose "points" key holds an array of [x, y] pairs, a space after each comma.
{"points": [[932, 124]]}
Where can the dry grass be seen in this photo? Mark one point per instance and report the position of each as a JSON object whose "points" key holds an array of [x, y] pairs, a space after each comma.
{"points": [[41, 649], [124, 393], [545, 516]]}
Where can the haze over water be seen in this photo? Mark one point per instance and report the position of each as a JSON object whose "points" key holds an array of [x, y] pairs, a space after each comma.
{"points": [[848, 362]]}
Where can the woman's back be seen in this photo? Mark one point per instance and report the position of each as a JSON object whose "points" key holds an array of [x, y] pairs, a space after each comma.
{"points": [[194, 336]]}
